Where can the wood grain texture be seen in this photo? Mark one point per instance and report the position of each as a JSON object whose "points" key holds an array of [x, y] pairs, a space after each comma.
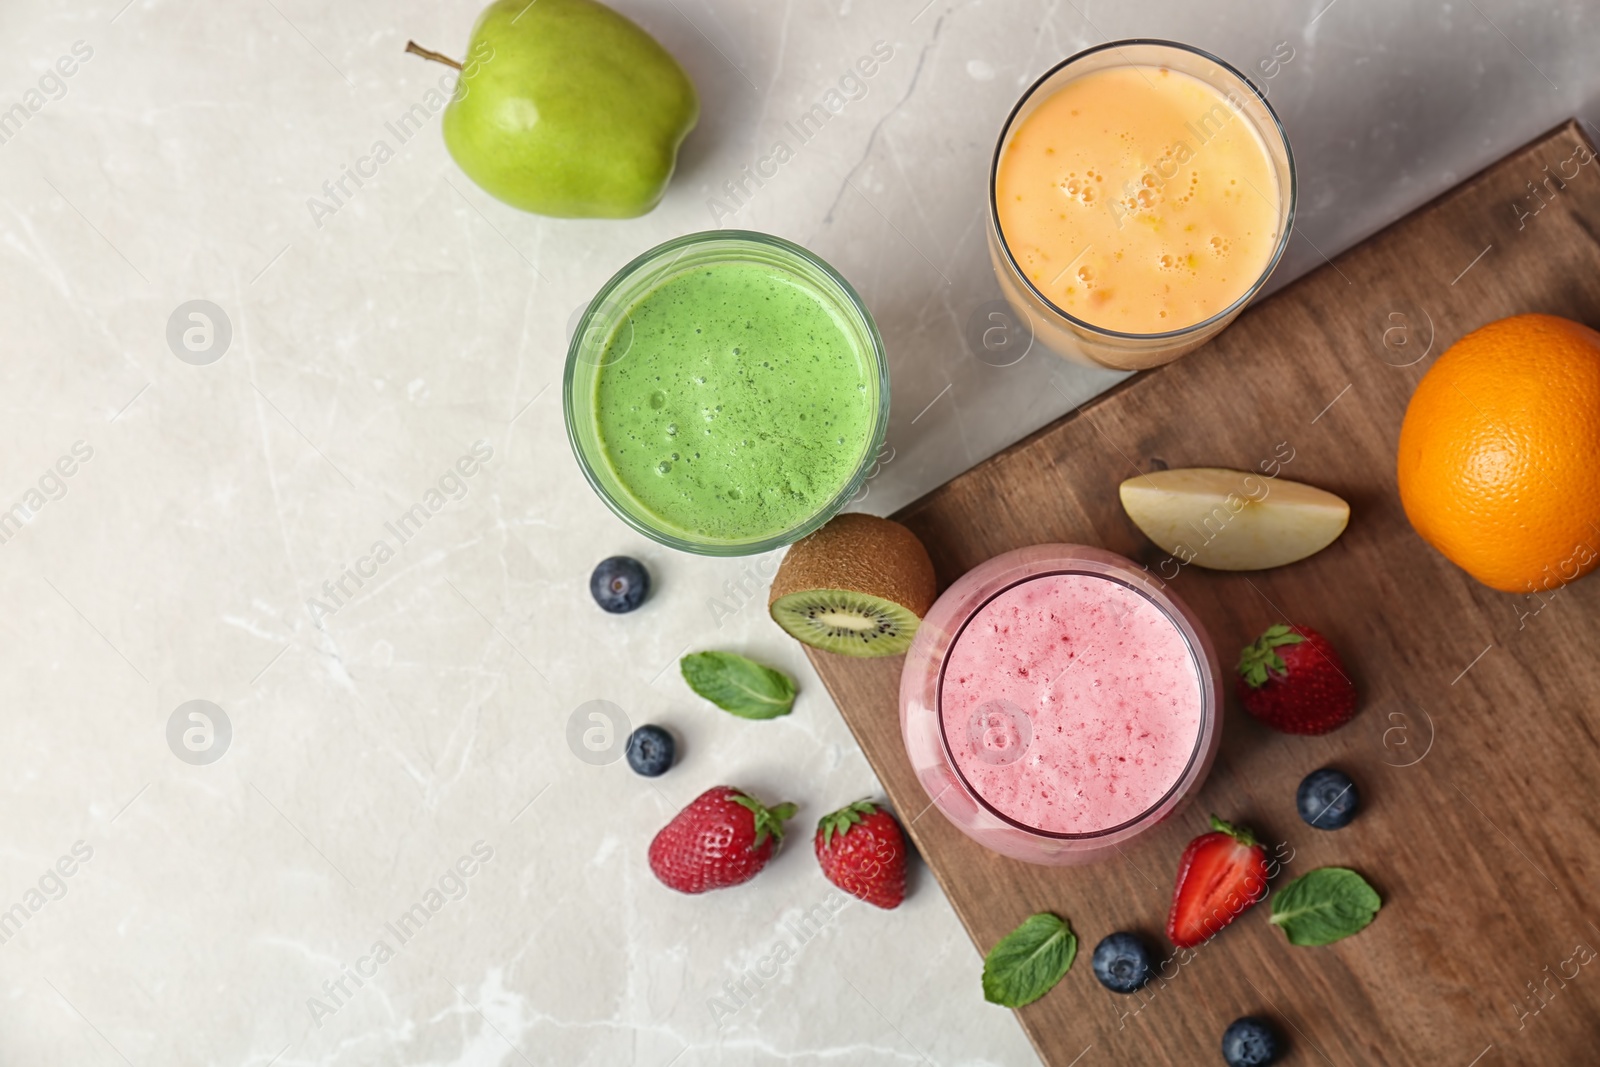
{"points": [[1476, 747]]}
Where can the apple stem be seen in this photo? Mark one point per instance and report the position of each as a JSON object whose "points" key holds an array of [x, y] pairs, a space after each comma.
{"points": [[416, 49]]}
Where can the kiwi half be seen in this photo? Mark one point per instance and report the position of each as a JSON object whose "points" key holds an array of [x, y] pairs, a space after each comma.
{"points": [[858, 586]]}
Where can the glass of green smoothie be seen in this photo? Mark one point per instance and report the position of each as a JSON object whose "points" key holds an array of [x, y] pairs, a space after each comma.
{"points": [[726, 393]]}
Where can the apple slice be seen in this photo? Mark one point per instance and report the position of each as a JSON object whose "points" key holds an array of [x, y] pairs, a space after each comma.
{"points": [[1233, 520]]}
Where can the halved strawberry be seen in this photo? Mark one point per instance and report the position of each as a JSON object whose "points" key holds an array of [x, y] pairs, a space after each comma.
{"points": [[1221, 874]]}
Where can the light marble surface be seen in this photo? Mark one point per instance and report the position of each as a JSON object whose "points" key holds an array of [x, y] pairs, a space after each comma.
{"points": [[373, 747]]}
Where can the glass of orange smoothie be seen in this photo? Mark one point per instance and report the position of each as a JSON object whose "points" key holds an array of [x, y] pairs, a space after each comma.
{"points": [[1142, 192]]}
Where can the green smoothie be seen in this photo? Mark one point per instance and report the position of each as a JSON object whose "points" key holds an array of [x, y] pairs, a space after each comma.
{"points": [[732, 401]]}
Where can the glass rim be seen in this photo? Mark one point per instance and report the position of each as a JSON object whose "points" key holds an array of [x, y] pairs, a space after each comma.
{"points": [[1200, 665], [600, 306], [1250, 291]]}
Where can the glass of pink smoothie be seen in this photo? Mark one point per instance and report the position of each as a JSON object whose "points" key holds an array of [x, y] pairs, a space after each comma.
{"points": [[1058, 701]]}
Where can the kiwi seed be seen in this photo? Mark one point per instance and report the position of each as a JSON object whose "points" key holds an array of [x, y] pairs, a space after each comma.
{"points": [[859, 585]]}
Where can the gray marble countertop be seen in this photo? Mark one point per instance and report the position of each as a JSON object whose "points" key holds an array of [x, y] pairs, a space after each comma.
{"points": [[211, 907]]}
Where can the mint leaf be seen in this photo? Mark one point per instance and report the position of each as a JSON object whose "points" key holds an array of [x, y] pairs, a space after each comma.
{"points": [[739, 686], [1028, 962], [1325, 905]]}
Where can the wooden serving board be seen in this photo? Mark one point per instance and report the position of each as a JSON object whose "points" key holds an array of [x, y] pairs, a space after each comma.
{"points": [[1475, 749]]}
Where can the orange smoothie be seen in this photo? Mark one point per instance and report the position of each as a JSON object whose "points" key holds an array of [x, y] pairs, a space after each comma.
{"points": [[1138, 199]]}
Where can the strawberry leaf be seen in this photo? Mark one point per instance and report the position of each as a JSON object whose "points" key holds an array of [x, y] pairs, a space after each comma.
{"points": [[1027, 963], [1258, 661], [1280, 634], [839, 822], [768, 821], [1238, 833]]}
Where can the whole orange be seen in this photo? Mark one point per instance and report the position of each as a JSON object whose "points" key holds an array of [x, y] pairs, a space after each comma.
{"points": [[1498, 453]]}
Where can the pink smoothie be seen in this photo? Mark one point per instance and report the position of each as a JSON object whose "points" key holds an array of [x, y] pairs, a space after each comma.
{"points": [[1071, 703]]}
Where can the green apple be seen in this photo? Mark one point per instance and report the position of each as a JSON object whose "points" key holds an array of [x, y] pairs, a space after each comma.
{"points": [[566, 108]]}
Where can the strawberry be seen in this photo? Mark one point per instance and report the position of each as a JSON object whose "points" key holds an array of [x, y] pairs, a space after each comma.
{"points": [[1292, 680], [1220, 875], [862, 851], [722, 838]]}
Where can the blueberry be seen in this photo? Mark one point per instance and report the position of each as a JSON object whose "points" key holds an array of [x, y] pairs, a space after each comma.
{"points": [[1327, 799], [1121, 962], [619, 584], [1250, 1042], [650, 750]]}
